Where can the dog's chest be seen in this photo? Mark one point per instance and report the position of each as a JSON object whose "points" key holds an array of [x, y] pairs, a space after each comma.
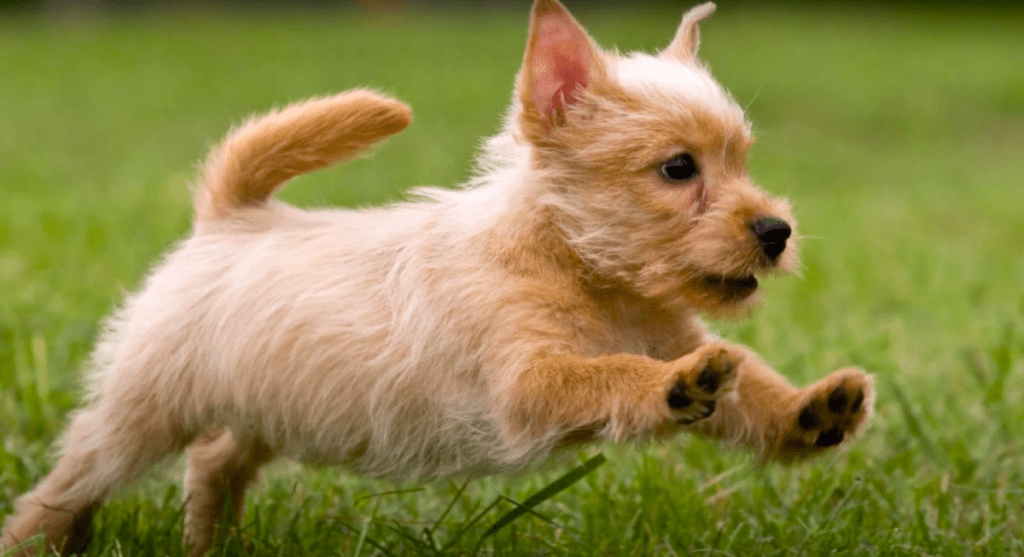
{"points": [[640, 326]]}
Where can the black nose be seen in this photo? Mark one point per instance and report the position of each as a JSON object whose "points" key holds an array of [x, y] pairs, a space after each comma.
{"points": [[772, 233]]}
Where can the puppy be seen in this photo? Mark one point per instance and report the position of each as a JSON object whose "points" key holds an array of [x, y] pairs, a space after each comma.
{"points": [[553, 300]]}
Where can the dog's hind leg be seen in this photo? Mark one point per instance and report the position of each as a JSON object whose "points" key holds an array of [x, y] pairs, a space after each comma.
{"points": [[220, 467], [106, 446]]}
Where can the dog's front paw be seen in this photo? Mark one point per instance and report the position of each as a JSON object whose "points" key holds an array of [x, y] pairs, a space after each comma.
{"points": [[706, 375], [833, 409]]}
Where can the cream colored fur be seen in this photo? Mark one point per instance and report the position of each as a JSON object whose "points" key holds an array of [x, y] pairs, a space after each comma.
{"points": [[471, 331]]}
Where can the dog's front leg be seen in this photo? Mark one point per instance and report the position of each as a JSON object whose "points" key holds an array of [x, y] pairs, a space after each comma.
{"points": [[565, 397], [786, 423]]}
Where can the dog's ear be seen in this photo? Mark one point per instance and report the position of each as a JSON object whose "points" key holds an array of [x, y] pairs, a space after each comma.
{"points": [[684, 45], [561, 61]]}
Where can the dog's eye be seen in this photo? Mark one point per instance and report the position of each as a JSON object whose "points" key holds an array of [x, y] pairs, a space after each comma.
{"points": [[679, 168]]}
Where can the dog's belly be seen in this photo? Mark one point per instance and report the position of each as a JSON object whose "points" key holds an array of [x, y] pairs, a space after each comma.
{"points": [[374, 428]]}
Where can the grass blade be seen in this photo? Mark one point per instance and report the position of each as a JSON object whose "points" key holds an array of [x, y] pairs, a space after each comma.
{"points": [[469, 524], [913, 423], [526, 509], [366, 539], [451, 505], [555, 487]]}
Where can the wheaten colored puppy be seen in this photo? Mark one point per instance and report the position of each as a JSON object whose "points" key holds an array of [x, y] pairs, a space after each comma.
{"points": [[551, 301]]}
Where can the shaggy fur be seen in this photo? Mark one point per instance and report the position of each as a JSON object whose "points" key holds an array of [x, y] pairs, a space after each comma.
{"points": [[551, 301]]}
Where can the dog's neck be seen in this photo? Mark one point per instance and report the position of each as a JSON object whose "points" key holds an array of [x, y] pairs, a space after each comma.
{"points": [[526, 231]]}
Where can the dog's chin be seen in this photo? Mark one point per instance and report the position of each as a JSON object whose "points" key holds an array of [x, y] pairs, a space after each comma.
{"points": [[723, 296], [730, 290]]}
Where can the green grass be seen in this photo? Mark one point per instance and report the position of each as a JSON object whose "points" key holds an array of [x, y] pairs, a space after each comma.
{"points": [[898, 136]]}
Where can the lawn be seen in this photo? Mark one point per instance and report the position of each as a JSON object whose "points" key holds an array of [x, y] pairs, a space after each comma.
{"points": [[898, 135]]}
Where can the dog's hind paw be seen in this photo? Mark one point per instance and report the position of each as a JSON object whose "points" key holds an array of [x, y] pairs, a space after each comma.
{"points": [[707, 374], [833, 409]]}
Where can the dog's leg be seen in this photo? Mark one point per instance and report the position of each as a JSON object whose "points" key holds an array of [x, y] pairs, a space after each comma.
{"points": [[565, 398], [106, 447], [220, 467], [786, 423]]}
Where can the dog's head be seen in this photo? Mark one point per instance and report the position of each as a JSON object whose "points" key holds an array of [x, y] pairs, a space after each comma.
{"points": [[644, 164]]}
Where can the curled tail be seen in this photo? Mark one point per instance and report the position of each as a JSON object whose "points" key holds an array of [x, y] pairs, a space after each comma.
{"points": [[259, 156]]}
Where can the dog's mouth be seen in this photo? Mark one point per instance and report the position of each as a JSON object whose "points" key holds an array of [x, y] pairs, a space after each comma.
{"points": [[730, 289]]}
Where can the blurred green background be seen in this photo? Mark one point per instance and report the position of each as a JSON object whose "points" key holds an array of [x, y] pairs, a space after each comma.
{"points": [[897, 131]]}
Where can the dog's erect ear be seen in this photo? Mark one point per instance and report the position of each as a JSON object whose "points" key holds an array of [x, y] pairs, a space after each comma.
{"points": [[561, 60], [684, 46]]}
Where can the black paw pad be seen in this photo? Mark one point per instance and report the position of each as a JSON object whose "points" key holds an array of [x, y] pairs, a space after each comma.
{"points": [[808, 419], [677, 398], [708, 379], [831, 437], [857, 402], [81, 532], [705, 408], [837, 400], [709, 409]]}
